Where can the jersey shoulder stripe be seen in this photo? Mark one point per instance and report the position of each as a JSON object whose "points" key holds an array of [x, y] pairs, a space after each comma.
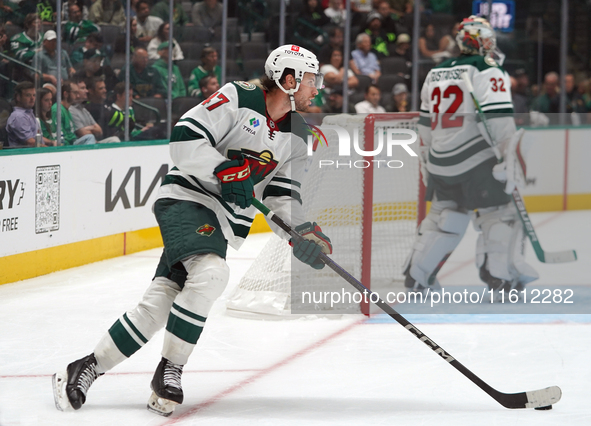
{"points": [[250, 96], [479, 62]]}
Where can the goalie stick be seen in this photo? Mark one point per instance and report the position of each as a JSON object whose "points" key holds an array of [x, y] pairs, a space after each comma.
{"points": [[543, 256], [538, 399]]}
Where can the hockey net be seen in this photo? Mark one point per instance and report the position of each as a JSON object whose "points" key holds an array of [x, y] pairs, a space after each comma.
{"points": [[368, 206]]}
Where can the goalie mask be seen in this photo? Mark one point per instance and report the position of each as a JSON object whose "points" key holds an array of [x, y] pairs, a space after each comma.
{"points": [[476, 36], [298, 59]]}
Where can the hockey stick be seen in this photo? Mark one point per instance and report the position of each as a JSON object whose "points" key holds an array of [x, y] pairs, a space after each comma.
{"points": [[539, 399], [543, 256]]}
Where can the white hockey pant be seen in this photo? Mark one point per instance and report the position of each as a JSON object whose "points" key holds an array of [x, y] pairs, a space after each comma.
{"points": [[182, 311], [438, 235], [500, 246]]}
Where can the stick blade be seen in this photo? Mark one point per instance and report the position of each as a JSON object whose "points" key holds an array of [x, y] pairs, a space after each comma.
{"points": [[543, 397], [560, 256]]}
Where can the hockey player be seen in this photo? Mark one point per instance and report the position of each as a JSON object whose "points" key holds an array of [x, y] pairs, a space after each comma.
{"points": [[461, 172], [236, 141]]}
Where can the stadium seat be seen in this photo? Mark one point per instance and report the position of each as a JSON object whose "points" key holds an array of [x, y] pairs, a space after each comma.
{"points": [[254, 68], [387, 81], [254, 50], [188, 65]]}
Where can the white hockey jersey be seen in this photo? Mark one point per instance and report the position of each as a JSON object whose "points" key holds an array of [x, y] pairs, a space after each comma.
{"points": [[448, 117], [234, 121]]}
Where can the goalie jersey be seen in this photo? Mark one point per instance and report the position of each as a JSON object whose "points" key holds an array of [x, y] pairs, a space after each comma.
{"points": [[449, 124], [231, 122]]}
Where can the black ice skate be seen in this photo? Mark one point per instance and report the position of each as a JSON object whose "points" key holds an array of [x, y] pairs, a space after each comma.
{"points": [[166, 388], [70, 387]]}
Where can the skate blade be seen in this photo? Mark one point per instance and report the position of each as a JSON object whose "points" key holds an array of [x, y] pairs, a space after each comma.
{"points": [[161, 406], [62, 402]]}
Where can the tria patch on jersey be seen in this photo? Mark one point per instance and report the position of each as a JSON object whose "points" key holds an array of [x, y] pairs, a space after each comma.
{"points": [[245, 85], [205, 230], [261, 163]]}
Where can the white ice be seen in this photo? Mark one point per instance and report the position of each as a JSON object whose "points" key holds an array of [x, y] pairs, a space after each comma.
{"points": [[314, 371]]}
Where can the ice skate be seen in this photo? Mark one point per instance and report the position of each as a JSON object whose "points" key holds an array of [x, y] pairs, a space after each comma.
{"points": [[166, 388], [71, 386]]}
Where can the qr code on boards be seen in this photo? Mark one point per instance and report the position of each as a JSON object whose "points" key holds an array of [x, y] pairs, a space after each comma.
{"points": [[47, 199]]}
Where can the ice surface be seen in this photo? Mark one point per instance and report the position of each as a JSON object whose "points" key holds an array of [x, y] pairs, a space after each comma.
{"points": [[312, 371]]}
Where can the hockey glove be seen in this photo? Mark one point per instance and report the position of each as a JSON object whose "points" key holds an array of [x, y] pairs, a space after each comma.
{"points": [[314, 243], [237, 185], [511, 171]]}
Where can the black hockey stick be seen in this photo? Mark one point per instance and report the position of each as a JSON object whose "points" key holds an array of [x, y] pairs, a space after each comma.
{"points": [[539, 399], [543, 256]]}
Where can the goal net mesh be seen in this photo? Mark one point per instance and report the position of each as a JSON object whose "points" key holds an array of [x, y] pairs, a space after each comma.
{"points": [[364, 216]]}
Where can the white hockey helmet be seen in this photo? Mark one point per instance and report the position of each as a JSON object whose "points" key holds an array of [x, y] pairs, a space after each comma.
{"points": [[476, 36], [297, 58]]}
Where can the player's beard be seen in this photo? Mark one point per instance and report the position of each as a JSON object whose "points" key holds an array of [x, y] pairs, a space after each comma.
{"points": [[302, 104]]}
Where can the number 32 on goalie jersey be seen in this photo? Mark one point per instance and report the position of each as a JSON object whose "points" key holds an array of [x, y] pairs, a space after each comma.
{"points": [[449, 100]]}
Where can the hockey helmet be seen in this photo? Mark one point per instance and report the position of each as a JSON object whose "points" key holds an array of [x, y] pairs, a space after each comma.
{"points": [[297, 58], [476, 36]]}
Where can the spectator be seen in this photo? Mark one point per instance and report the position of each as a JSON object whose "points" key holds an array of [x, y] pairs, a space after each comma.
{"points": [[429, 47], [574, 101], [93, 41], [549, 101], [147, 25], [107, 12], [5, 64], [208, 86], [207, 13], [134, 41], [180, 18], [70, 92], [371, 104], [21, 126], [161, 68], [336, 12], [92, 66], [380, 39], [399, 99], [43, 107], [143, 78], [9, 13], [163, 35], [520, 97], [45, 9], [24, 45], [66, 9], [47, 60], [76, 28], [84, 123], [364, 61], [448, 42], [209, 65], [335, 41], [402, 48], [334, 73], [116, 119], [313, 14], [401, 7], [335, 103], [388, 17], [97, 96]]}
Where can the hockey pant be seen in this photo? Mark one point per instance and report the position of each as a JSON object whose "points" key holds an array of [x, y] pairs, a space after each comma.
{"points": [[500, 247], [438, 235], [164, 303]]}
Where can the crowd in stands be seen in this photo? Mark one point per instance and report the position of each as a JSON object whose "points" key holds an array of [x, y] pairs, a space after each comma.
{"points": [[93, 66]]}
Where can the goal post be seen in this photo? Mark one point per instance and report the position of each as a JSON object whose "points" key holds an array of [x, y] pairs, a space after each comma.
{"points": [[369, 205]]}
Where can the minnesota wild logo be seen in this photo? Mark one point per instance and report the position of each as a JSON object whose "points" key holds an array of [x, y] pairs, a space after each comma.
{"points": [[261, 163], [205, 230]]}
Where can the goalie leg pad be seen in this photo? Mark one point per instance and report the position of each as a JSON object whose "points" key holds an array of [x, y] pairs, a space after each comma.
{"points": [[137, 326], [438, 235], [208, 275], [500, 248]]}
